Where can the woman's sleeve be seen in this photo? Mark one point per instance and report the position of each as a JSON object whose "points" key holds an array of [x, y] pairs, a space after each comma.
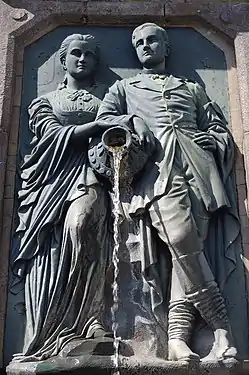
{"points": [[41, 118]]}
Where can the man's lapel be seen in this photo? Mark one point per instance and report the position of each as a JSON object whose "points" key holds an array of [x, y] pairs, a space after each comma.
{"points": [[171, 83], [145, 82]]}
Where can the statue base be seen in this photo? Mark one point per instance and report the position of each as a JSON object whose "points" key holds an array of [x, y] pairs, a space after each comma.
{"points": [[103, 365]]}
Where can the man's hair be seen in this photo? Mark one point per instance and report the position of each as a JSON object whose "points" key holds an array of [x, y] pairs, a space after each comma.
{"points": [[162, 31]]}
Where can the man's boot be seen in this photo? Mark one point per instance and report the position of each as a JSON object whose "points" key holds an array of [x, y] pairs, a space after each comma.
{"points": [[210, 304], [181, 320]]}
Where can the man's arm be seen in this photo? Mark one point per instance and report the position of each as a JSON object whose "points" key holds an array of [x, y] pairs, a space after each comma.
{"points": [[113, 110], [113, 107], [209, 114], [211, 121]]}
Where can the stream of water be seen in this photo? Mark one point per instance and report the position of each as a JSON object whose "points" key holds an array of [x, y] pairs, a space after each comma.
{"points": [[117, 157]]}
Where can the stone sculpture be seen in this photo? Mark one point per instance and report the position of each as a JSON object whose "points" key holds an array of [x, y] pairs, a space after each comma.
{"points": [[185, 184], [177, 165], [63, 220]]}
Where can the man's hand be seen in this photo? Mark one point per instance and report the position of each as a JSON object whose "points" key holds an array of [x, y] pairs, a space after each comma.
{"points": [[205, 141], [146, 137]]}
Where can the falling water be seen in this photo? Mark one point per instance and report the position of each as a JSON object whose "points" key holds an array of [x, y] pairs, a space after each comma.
{"points": [[117, 156]]}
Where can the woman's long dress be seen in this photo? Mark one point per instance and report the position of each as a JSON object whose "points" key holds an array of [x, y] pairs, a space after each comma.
{"points": [[63, 225]]}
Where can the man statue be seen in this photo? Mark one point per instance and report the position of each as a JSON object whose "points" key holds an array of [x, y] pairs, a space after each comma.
{"points": [[184, 183]]}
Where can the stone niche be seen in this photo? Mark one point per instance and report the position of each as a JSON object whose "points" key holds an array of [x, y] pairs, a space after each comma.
{"points": [[200, 55]]}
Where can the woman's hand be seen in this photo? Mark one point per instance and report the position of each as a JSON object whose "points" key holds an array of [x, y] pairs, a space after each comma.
{"points": [[89, 130], [104, 125], [146, 137], [205, 141], [84, 132]]}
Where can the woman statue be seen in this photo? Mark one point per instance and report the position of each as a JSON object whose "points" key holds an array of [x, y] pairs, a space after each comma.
{"points": [[63, 210]]}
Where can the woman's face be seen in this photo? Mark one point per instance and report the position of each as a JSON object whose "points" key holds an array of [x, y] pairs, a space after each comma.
{"points": [[80, 61]]}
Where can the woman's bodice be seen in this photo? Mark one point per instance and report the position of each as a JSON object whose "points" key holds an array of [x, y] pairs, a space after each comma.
{"points": [[77, 107]]}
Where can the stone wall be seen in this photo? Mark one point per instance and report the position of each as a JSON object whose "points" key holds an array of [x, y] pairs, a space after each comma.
{"points": [[24, 21]]}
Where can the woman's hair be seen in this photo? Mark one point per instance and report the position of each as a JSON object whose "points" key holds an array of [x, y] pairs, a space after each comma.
{"points": [[93, 45], [162, 31]]}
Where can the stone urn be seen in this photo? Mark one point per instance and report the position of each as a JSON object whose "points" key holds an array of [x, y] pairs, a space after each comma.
{"points": [[117, 139]]}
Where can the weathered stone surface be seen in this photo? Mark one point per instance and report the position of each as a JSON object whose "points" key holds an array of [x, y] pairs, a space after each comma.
{"points": [[95, 365], [22, 22]]}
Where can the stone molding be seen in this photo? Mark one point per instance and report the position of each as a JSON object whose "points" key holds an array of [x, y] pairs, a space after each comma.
{"points": [[128, 366]]}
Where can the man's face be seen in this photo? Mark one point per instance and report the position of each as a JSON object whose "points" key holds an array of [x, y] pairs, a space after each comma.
{"points": [[80, 60], [150, 47]]}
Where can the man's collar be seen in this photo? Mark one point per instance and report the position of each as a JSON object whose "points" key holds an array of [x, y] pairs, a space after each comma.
{"points": [[142, 80]]}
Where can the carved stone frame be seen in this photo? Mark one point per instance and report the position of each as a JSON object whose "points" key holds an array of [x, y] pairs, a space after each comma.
{"points": [[23, 21]]}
